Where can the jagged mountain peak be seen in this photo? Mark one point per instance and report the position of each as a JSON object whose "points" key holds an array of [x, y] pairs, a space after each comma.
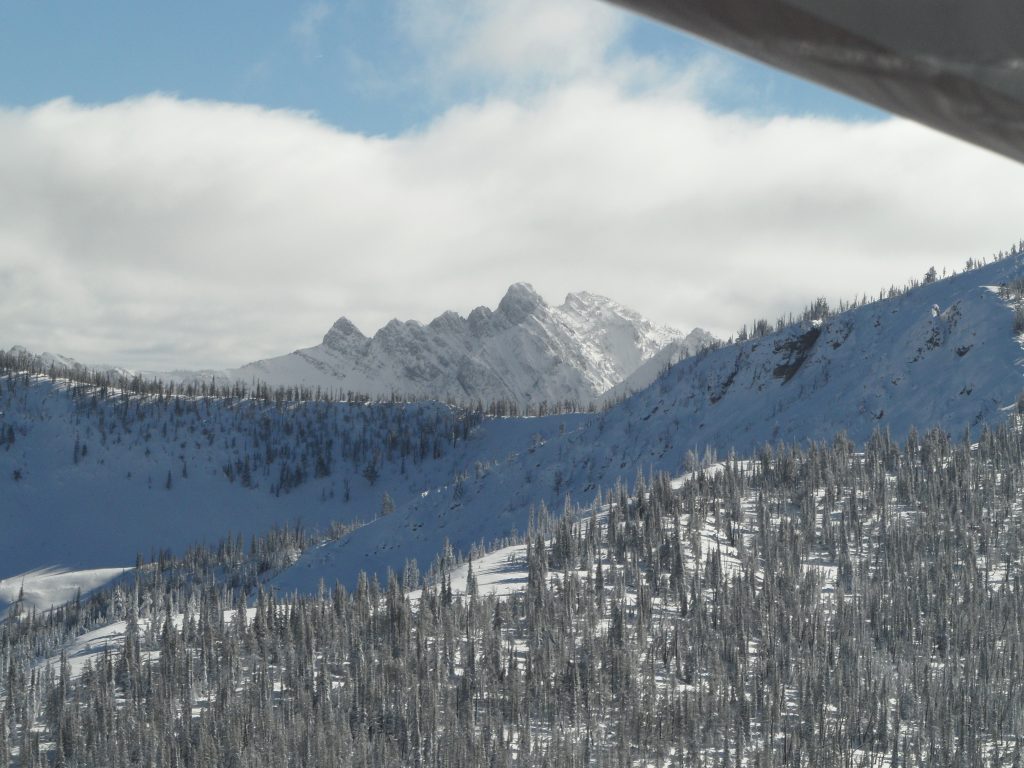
{"points": [[343, 334], [573, 352], [596, 306], [519, 302], [450, 321]]}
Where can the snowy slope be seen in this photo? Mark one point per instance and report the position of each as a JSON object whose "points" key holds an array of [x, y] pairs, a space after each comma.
{"points": [[525, 351], [48, 587], [777, 572], [656, 365], [88, 481], [888, 365]]}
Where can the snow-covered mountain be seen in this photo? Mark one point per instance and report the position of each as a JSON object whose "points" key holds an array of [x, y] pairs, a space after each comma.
{"points": [[524, 351], [63, 363], [89, 478], [945, 355]]}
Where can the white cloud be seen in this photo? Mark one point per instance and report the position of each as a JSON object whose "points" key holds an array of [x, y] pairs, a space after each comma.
{"points": [[512, 41], [159, 233]]}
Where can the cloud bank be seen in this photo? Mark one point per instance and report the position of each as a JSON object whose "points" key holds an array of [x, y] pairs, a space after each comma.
{"points": [[163, 232]]}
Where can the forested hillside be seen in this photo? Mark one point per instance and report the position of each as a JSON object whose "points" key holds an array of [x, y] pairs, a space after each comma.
{"points": [[96, 470], [812, 605], [941, 354], [93, 473]]}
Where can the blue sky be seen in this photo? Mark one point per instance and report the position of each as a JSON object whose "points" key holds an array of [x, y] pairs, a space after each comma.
{"points": [[189, 185], [353, 63]]}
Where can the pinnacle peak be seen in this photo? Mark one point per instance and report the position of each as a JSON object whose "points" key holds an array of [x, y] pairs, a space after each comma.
{"points": [[520, 301], [343, 331], [346, 326], [521, 289]]}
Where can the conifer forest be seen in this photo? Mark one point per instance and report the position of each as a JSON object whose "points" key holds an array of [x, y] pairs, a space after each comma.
{"points": [[816, 605]]}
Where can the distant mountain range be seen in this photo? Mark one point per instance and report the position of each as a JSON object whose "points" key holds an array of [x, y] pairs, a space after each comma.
{"points": [[87, 480], [525, 351]]}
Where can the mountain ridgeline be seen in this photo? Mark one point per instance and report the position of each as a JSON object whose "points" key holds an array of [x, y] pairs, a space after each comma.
{"points": [[524, 352], [90, 474], [945, 354]]}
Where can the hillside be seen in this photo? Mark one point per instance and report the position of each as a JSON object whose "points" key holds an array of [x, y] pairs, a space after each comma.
{"points": [[815, 606], [155, 472], [889, 365], [90, 476]]}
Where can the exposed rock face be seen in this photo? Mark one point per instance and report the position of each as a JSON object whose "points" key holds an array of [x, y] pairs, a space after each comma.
{"points": [[524, 351]]}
